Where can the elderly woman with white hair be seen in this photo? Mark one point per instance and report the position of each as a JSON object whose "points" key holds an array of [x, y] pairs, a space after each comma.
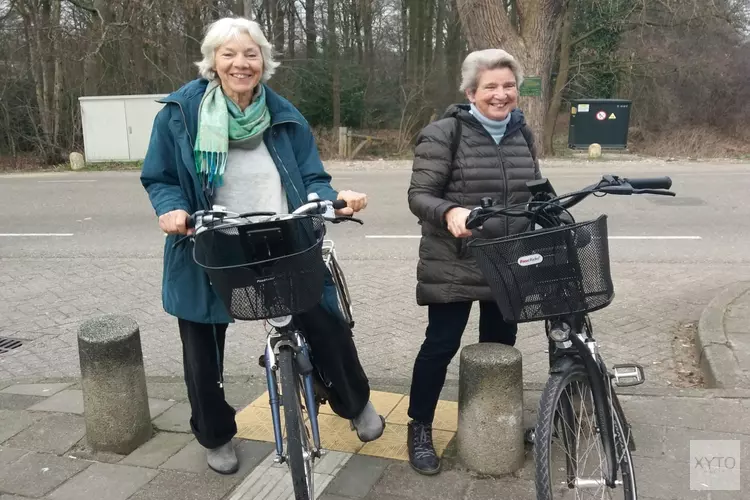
{"points": [[475, 150], [226, 138]]}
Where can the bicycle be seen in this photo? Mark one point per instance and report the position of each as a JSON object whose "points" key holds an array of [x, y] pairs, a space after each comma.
{"points": [[559, 272], [273, 269]]}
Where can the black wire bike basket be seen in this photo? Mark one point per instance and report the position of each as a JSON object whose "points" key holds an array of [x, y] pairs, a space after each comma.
{"points": [[267, 269], [549, 272]]}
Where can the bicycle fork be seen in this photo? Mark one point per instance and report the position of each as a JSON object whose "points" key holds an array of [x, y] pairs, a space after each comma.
{"points": [[302, 358]]}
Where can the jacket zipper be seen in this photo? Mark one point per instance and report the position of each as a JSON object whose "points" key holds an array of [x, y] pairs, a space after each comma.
{"points": [[281, 162], [505, 174], [192, 144]]}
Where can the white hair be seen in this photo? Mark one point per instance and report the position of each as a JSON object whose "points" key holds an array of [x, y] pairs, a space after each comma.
{"points": [[488, 59], [223, 30]]}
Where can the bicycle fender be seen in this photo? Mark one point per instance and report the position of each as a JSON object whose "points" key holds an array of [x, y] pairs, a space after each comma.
{"points": [[562, 365]]}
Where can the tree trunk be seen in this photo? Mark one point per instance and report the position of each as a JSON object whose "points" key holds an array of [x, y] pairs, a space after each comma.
{"points": [[333, 55], [311, 36], [57, 88], [277, 29], [369, 46], [291, 21], [486, 24], [562, 79]]}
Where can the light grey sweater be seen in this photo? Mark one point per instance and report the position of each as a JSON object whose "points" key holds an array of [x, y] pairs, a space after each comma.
{"points": [[251, 180]]}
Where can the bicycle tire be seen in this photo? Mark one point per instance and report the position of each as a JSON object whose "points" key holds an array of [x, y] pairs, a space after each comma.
{"points": [[294, 424], [545, 428], [343, 290]]}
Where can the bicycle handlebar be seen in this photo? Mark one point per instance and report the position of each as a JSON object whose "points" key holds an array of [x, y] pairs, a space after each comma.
{"points": [[652, 183], [547, 209], [319, 207]]}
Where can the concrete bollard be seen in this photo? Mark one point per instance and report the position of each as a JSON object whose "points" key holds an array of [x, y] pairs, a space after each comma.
{"points": [[115, 399], [595, 151], [490, 409], [77, 162]]}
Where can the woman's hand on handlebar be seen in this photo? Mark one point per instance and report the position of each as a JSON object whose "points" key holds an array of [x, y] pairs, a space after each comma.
{"points": [[354, 202], [175, 222], [456, 220]]}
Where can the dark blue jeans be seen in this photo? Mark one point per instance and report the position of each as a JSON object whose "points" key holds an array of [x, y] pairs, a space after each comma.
{"points": [[446, 324]]}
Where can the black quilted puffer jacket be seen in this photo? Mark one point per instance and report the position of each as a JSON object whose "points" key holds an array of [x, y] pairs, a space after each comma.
{"points": [[446, 271]]}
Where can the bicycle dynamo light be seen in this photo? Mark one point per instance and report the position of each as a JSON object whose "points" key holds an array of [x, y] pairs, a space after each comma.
{"points": [[560, 332]]}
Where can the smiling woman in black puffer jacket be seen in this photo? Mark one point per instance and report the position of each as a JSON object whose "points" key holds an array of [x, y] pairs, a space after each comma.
{"points": [[476, 150]]}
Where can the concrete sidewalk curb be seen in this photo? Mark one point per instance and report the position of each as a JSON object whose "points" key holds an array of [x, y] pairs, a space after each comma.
{"points": [[715, 353]]}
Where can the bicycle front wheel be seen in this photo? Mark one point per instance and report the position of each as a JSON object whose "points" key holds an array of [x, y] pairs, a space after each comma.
{"points": [[569, 456], [299, 452]]}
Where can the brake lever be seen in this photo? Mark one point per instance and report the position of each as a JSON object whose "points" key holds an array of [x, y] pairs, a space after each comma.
{"points": [[654, 191], [343, 218]]}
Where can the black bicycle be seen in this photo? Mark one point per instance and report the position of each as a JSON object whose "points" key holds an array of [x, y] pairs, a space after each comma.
{"points": [[559, 272], [272, 267]]}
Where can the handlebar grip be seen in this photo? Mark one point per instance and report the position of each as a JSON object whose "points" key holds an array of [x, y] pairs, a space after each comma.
{"points": [[339, 204], [650, 183], [190, 222]]}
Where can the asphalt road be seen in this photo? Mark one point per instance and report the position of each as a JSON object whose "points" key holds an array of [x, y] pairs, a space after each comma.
{"points": [[105, 215], [77, 245]]}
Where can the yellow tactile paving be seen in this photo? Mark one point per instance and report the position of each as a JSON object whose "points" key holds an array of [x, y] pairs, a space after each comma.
{"points": [[392, 444], [446, 415], [254, 422], [336, 434]]}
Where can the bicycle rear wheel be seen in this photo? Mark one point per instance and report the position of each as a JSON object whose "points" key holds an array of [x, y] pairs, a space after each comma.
{"points": [[567, 434], [299, 452]]}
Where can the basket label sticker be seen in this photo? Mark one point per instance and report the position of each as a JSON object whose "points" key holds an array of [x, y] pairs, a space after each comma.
{"points": [[530, 260]]}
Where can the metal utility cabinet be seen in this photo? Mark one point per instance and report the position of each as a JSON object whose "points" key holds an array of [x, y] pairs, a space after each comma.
{"points": [[601, 121], [118, 128]]}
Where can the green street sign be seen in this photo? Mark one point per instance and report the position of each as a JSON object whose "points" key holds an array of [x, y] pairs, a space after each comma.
{"points": [[532, 86]]}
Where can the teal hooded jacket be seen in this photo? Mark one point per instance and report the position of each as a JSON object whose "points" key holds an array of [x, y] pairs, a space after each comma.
{"points": [[171, 181]]}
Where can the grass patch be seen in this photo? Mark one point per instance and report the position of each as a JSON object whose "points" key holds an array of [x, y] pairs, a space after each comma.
{"points": [[31, 164]]}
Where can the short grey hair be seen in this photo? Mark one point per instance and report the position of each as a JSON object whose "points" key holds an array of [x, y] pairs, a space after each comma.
{"points": [[488, 59], [223, 30]]}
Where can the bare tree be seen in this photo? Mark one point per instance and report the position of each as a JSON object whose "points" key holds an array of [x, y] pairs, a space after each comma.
{"points": [[528, 30]]}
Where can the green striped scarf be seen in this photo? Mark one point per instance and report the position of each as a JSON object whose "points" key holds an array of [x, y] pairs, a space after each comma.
{"points": [[219, 121]]}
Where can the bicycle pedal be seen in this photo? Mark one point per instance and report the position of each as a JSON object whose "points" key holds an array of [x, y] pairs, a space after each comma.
{"points": [[628, 375]]}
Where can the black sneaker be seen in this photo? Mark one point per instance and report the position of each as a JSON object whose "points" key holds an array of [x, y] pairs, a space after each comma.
{"points": [[422, 456]]}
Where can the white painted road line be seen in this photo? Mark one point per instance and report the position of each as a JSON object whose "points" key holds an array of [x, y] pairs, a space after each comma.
{"points": [[655, 238], [392, 236], [67, 181], [23, 235], [416, 236]]}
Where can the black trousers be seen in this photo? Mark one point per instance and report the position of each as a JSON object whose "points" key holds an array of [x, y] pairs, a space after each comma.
{"points": [[446, 324], [334, 356]]}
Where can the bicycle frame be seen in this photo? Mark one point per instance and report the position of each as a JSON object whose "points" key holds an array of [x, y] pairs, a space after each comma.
{"points": [[287, 336]]}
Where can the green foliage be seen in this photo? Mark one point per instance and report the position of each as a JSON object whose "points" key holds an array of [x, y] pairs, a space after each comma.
{"points": [[594, 60], [309, 86]]}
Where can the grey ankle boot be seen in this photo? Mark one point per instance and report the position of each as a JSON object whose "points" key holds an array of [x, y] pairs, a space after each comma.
{"points": [[223, 459], [368, 424]]}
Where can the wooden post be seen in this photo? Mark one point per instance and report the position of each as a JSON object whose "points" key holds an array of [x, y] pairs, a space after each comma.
{"points": [[343, 141]]}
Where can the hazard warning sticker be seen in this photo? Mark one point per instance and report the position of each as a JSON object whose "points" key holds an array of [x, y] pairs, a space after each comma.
{"points": [[601, 115], [612, 117]]}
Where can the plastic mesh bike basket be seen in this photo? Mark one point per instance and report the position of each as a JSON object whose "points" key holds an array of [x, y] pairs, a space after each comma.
{"points": [[266, 269], [550, 272]]}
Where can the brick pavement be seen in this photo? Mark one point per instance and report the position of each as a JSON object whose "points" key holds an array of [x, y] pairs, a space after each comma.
{"points": [[43, 453], [44, 301]]}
